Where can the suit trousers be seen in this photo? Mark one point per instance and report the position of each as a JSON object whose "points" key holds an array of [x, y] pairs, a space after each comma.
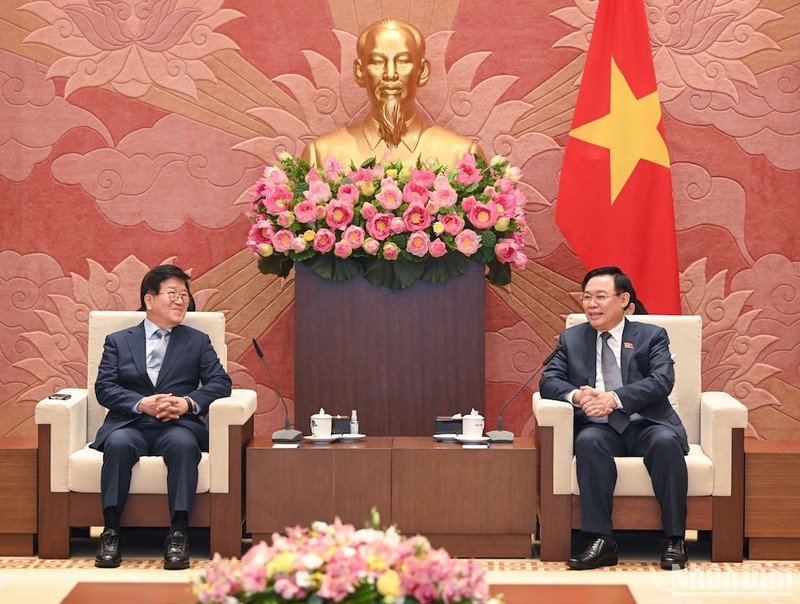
{"points": [[597, 444], [149, 436]]}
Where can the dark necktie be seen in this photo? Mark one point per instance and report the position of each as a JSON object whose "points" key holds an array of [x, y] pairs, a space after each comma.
{"points": [[612, 379], [157, 355]]}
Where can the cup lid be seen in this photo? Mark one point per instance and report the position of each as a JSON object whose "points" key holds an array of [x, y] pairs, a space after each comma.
{"points": [[321, 414], [474, 414]]}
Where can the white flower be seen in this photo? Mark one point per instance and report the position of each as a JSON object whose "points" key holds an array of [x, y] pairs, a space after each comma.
{"points": [[311, 561], [303, 578]]}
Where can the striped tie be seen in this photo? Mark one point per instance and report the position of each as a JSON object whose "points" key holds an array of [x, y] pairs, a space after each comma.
{"points": [[157, 355]]}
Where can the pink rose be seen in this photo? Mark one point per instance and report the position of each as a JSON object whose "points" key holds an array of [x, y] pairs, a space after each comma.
{"points": [[324, 240], [505, 185], [342, 249], [354, 235], [331, 164], [453, 223], [368, 211], [416, 218], [468, 173], [468, 242], [483, 215], [431, 207], [348, 193], [389, 196], [339, 214], [279, 200], [391, 251], [379, 226], [418, 244], [282, 240], [319, 191], [261, 231], [519, 260], [320, 212], [438, 248], [312, 175], [505, 249], [415, 193], [468, 203], [423, 177], [371, 246], [299, 245], [397, 226], [275, 175], [305, 212], [441, 182], [505, 204], [446, 197]]}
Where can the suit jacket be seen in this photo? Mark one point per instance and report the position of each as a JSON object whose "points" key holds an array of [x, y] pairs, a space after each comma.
{"points": [[190, 368], [647, 370]]}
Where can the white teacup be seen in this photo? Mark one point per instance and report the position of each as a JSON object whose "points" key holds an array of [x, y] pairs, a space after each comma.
{"points": [[472, 425], [321, 424]]}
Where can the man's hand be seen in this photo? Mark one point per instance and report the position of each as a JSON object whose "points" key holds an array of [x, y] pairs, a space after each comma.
{"points": [[594, 402], [164, 406]]}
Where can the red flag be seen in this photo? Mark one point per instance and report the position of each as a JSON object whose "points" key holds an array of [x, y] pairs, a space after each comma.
{"points": [[615, 195]]}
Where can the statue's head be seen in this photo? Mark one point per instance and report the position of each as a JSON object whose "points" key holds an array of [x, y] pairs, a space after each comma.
{"points": [[390, 64]]}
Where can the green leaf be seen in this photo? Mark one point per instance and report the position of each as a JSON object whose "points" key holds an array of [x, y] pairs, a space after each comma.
{"points": [[334, 268], [394, 274], [499, 272], [439, 270], [277, 264], [369, 163]]}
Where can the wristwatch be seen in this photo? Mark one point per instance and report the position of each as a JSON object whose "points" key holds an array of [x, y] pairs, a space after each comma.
{"points": [[189, 402]]}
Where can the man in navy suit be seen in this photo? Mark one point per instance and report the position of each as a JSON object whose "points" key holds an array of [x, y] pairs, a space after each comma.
{"points": [[157, 380], [620, 410]]}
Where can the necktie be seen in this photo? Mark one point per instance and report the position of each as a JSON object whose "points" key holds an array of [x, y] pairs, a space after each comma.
{"points": [[157, 355], [612, 379]]}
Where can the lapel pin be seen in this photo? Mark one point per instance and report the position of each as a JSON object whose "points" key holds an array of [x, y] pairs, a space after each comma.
{"points": [[628, 345]]}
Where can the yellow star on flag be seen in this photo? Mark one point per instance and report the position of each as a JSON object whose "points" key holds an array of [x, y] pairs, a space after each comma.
{"points": [[629, 131]]}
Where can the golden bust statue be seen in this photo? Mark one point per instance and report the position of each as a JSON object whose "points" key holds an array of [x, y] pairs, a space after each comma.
{"points": [[390, 64]]}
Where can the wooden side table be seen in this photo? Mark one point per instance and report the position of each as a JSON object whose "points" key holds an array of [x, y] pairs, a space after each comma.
{"points": [[287, 487], [475, 503], [772, 499], [17, 495]]}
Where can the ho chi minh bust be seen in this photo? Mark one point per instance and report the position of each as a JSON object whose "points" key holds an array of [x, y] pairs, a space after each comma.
{"points": [[390, 64]]}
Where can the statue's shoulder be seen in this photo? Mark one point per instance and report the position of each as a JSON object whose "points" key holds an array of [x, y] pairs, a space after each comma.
{"points": [[446, 145], [339, 143]]}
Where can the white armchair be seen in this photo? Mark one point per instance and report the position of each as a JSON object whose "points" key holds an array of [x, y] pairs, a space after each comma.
{"points": [[69, 471], [714, 423]]}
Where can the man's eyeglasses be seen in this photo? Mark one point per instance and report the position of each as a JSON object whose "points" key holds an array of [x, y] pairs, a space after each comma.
{"points": [[175, 296], [599, 298]]}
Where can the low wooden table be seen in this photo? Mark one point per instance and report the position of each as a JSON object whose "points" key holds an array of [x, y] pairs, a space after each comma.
{"points": [[18, 498], [772, 499], [475, 503], [287, 487], [180, 593]]}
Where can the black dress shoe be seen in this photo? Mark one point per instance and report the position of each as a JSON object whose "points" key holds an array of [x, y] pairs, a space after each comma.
{"points": [[599, 552], [176, 551], [108, 554], [674, 554]]}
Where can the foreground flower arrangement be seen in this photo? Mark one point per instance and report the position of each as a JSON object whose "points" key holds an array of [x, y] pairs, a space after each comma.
{"points": [[392, 223], [337, 563]]}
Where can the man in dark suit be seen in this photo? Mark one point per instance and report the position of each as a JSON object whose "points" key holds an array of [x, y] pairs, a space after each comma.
{"points": [[617, 374], [157, 380]]}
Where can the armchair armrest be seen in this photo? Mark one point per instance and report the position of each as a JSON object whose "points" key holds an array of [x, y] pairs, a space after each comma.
{"points": [[67, 421], [560, 416], [234, 410], [720, 413]]}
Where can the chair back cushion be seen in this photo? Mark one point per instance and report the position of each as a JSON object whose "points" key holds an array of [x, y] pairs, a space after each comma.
{"points": [[685, 341], [105, 322]]}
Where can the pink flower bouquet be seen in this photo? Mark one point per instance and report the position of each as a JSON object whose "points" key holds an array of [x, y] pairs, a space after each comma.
{"points": [[391, 223], [337, 563]]}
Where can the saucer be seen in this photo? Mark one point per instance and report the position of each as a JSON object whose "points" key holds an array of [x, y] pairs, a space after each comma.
{"points": [[351, 438], [445, 438], [471, 440], [322, 440]]}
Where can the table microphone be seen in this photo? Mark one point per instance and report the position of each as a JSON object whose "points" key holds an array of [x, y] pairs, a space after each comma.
{"points": [[287, 435], [506, 436]]}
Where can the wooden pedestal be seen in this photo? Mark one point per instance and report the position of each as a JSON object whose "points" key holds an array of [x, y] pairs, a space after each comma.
{"points": [[399, 357], [772, 499], [17, 495]]}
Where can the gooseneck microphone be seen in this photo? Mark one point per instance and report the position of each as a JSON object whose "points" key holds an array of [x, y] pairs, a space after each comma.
{"points": [[287, 435], [506, 436]]}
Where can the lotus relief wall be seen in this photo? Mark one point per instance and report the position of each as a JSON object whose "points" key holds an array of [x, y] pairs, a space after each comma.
{"points": [[131, 129]]}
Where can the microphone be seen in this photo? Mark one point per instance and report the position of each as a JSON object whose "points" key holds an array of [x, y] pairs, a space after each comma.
{"points": [[506, 436], [287, 435]]}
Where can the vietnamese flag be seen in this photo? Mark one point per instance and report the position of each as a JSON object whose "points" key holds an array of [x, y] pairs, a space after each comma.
{"points": [[615, 195]]}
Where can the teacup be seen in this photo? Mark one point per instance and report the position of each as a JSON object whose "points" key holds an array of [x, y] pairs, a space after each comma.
{"points": [[472, 425], [321, 424]]}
